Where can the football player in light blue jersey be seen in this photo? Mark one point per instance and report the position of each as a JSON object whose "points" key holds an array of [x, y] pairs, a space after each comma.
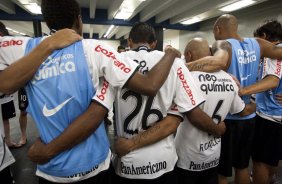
{"points": [[229, 53], [267, 149]]}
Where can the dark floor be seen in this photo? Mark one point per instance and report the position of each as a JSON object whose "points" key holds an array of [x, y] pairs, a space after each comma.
{"points": [[24, 170]]}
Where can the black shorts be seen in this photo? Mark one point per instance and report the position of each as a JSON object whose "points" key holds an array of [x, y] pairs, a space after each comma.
{"points": [[236, 145], [22, 99], [8, 110], [5, 175], [267, 146], [208, 176]]}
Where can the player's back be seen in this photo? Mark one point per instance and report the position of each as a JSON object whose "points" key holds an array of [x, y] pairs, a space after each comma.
{"points": [[198, 150], [139, 111], [136, 113]]}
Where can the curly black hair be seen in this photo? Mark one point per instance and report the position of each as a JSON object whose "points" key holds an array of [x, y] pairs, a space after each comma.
{"points": [[60, 14], [142, 33], [272, 30]]}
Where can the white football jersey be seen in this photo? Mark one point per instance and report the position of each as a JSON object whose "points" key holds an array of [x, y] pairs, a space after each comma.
{"points": [[135, 113], [6, 156], [271, 67], [267, 106], [103, 62], [6, 98], [197, 150], [102, 59]]}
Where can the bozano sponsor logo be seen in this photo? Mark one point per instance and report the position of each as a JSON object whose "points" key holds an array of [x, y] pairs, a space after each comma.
{"points": [[103, 91], [278, 67], [109, 54], [185, 85], [9, 43]]}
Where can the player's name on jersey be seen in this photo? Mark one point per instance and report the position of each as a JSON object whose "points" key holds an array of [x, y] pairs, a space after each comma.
{"points": [[83, 173], [209, 145], [145, 169], [210, 83], [194, 166]]}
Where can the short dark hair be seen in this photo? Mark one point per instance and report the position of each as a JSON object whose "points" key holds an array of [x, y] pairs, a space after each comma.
{"points": [[60, 14], [271, 28], [3, 29], [142, 33]]}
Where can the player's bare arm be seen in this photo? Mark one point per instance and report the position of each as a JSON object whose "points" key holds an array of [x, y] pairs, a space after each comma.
{"points": [[278, 98], [249, 109], [219, 61], [267, 49], [202, 121], [267, 83], [78, 130], [150, 83], [154, 134], [20, 72]]}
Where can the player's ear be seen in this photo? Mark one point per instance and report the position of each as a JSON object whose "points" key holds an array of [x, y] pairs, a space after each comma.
{"points": [[129, 42], [188, 56], [153, 45]]}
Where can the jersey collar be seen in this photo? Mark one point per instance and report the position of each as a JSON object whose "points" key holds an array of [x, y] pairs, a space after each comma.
{"points": [[142, 47]]}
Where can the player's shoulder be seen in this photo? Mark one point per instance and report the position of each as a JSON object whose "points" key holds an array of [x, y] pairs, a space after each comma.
{"points": [[96, 46], [179, 63]]}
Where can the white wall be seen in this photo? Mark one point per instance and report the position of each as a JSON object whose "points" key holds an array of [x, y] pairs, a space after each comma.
{"points": [[112, 43], [248, 19], [171, 37]]}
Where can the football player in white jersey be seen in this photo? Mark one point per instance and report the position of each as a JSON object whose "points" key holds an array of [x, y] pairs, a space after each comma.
{"points": [[136, 113], [267, 148], [199, 152], [227, 55], [103, 61]]}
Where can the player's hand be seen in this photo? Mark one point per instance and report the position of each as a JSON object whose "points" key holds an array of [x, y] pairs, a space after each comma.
{"points": [[123, 146], [241, 91], [37, 152], [62, 38], [171, 50], [278, 98], [221, 128]]}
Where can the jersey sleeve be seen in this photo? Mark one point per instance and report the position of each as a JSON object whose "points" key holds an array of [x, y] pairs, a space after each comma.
{"points": [[238, 104], [272, 67], [11, 49], [173, 110], [105, 94], [187, 95], [116, 68]]}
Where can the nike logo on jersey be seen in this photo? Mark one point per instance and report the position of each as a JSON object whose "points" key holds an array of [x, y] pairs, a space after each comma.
{"points": [[50, 112], [245, 78]]}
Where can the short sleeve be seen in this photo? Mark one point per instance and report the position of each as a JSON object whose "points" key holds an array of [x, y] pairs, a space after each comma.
{"points": [[187, 95], [105, 94], [114, 67], [11, 49], [238, 104], [173, 110], [272, 67]]}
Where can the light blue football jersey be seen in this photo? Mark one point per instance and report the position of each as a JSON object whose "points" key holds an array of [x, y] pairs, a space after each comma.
{"points": [[60, 91]]}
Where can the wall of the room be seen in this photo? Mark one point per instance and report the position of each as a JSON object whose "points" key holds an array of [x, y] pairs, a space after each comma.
{"points": [[248, 19], [171, 37]]}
